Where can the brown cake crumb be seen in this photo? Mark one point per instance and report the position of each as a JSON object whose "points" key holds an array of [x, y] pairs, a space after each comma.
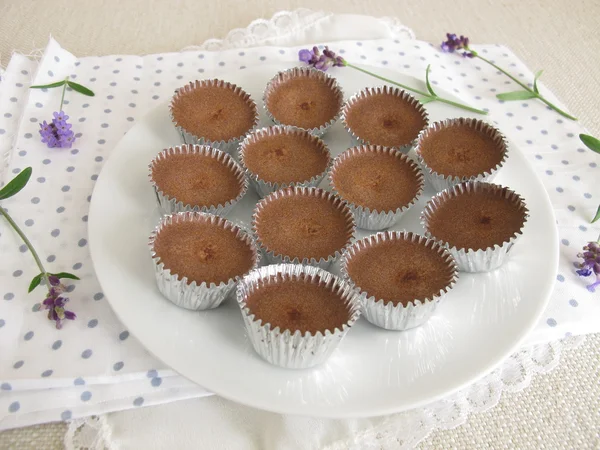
{"points": [[303, 226], [298, 304], [476, 220], [377, 180], [400, 271], [460, 151], [213, 112], [196, 179], [286, 158], [305, 102], [203, 252], [385, 119]]}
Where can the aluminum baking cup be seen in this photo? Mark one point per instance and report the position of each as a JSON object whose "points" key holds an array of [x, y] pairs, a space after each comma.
{"points": [[440, 181], [399, 317], [372, 219], [263, 187], [170, 205], [482, 260], [189, 138], [308, 72], [192, 295], [273, 257], [287, 348], [366, 93]]}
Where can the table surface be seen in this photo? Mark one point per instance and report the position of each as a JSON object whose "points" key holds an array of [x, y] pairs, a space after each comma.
{"points": [[560, 410]]}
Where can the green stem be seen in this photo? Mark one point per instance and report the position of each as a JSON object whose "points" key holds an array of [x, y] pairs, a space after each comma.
{"points": [[527, 88], [62, 99], [417, 91], [38, 261]]}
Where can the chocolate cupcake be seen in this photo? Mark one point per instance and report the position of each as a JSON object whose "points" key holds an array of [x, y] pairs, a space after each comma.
{"points": [[282, 156], [303, 226], [213, 112], [197, 178], [478, 222], [401, 277], [384, 116], [296, 315], [380, 184], [305, 98], [198, 258], [456, 150]]}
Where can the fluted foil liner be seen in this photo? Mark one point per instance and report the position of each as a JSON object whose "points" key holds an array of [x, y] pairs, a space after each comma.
{"points": [[365, 217], [178, 289], [170, 205], [264, 188], [469, 260], [296, 72], [440, 181], [273, 257], [230, 145], [287, 348], [398, 317], [367, 92]]}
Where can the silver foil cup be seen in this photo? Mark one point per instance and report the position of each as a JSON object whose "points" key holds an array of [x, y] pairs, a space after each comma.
{"points": [[470, 260], [398, 317], [290, 348], [178, 289], [307, 72], [263, 187], [190, 138], [170, 205], [441, 181], [368, 92], [274, 257], [372, 219]]}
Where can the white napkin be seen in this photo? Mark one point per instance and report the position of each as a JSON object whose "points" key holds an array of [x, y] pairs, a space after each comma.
{"points": [[92, 365]]}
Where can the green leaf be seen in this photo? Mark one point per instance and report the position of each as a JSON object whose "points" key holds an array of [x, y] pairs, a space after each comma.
{"points": [[516, 95], [425, 100], [51, 85], [427, 83], [597, 216], [35, 282], [79, 88], [537, 75], [68, 275], [16, 184], [590, 142]]}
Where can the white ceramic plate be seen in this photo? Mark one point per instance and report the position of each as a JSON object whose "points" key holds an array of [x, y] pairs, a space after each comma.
{"points": [[373, 371]]}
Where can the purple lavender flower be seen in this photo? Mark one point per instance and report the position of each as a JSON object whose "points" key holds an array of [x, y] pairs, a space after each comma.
{"points": [[454, 43], [591, 264], [58, 133], [55, 303], [321, 61]]}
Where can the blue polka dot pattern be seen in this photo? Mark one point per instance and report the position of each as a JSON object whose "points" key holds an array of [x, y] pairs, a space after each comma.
{"points": [[14, 407], [139, 401], [79, 381], [85, 396]]}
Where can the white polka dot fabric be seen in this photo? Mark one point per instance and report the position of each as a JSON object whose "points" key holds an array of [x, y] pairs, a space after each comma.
{"points": [[93, 365]]}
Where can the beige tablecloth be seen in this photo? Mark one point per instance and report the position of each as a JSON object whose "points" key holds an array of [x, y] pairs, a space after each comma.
{"points": [[561, 410]]}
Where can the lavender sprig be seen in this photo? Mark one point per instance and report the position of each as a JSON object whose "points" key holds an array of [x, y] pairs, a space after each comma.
{"points": [[326, 59], [54, 302], [594, 145], [591, 264], [460, 44]]}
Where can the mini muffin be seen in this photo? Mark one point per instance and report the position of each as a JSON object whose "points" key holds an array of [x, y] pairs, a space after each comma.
{"points": [[281, 156], [380, 184], [303, 225], [478, 222], [457, 150], [305, 98], [213, 112], [401, 276], [198, 258], [296, 315], [384, 116], [197, 178]]}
